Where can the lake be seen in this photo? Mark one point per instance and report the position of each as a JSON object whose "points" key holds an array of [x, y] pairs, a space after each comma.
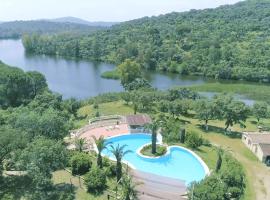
{"points": [[80, 78]]}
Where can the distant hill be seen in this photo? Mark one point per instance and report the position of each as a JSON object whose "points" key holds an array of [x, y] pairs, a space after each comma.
{"points": [[81, 21], [15, 29]]}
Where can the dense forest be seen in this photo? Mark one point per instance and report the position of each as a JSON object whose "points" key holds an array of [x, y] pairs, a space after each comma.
{"points": [[17, 29], [229, 42]]}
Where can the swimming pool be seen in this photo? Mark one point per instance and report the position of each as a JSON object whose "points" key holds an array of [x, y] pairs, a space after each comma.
{"points": [[178, 163]]}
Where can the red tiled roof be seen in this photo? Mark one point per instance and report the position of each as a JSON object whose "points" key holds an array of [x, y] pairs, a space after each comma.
{"points": [[138, 120]]}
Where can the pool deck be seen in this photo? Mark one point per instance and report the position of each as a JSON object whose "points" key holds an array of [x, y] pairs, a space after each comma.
{"points": [[150, 186], [154, 187], [106, 131]]}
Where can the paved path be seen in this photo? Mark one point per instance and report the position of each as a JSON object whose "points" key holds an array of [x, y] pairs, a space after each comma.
{"points": [[153, 187]]}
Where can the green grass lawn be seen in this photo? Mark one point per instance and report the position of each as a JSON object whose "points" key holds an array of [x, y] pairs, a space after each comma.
{"points": [[113, 108], [258, 92]]}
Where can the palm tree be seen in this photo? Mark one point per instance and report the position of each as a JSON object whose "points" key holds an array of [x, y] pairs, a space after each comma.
{"points": [[129, 188], [80, 143], [153, 127], [119, 153], [101, 145]]}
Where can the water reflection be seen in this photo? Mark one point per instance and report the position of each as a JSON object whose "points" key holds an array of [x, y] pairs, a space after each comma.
{"points": [[79, 78]]}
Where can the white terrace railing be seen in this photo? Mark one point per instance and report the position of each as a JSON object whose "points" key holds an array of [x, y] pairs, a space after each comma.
{"points": [[97, 122], [104, 118]]}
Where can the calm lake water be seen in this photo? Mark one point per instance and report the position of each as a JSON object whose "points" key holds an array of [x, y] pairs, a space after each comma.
{"points": [[79, 78]]}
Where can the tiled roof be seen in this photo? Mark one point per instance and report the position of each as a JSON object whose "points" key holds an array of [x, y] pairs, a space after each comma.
{"points": [[265, 149], [139, 120], [258, 138]]}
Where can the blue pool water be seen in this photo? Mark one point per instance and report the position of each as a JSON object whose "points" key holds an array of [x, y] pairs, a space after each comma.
{"points": [[179, 164]]}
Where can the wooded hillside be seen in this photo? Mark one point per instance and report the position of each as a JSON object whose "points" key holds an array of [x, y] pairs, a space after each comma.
{"points": [[229, 42]]}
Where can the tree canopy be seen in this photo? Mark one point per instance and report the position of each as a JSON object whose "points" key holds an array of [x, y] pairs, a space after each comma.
{"points": [[229, 42]]}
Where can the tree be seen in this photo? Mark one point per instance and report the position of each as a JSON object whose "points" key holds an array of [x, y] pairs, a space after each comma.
{"points": [[205, 111], [153, 127], [210, 188], [260, 110], [137, 84], [10, 141], [80, 163], [101, 144], [39, 83], [230, 110], [182, 135], [127, 97], [129, 191], [95, 180], [80, 144], [194, 140], [233, 175], [43, 156], [129, 71], [119, 152], [235, 113], [220, 153]]}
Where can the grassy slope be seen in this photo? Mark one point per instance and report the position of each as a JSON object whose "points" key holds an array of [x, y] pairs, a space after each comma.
{"points": [[113, 108], [255, 181]]}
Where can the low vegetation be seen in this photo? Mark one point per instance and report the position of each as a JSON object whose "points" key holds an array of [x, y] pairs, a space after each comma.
{"points": [[160, 151], [114, 74]]}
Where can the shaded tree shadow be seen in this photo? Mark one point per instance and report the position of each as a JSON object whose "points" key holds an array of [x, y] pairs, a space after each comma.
{"points": [[65, 191], [254, 122], [16, 187], [211, 128]]}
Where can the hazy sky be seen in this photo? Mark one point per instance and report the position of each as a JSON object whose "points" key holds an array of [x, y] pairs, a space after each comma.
{"points": [[98, 10]]}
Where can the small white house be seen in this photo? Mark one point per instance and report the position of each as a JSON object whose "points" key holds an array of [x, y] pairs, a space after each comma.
{"points": [[259, 144]]}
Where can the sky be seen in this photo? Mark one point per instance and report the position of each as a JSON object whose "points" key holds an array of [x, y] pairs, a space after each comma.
{"points": [[98, 10]]}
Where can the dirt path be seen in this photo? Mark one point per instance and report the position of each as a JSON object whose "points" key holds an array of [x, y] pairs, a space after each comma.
{"points": [[260, 177]]}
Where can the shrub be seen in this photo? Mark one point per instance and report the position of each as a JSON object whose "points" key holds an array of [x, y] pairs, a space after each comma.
{"points": [[80, 163], [114, 74], [147, 150], [194, 140], [109, 167], [182, 135], [95, 106], [97, 114], [95, 180]]}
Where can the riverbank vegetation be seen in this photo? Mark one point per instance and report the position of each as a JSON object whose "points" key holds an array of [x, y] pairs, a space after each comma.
{"points": [[256, 92], [229, 42], [114, 74]]}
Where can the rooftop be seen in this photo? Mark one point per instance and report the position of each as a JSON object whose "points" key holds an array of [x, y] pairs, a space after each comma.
{"points": [[265, 149], [258, 138]]}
